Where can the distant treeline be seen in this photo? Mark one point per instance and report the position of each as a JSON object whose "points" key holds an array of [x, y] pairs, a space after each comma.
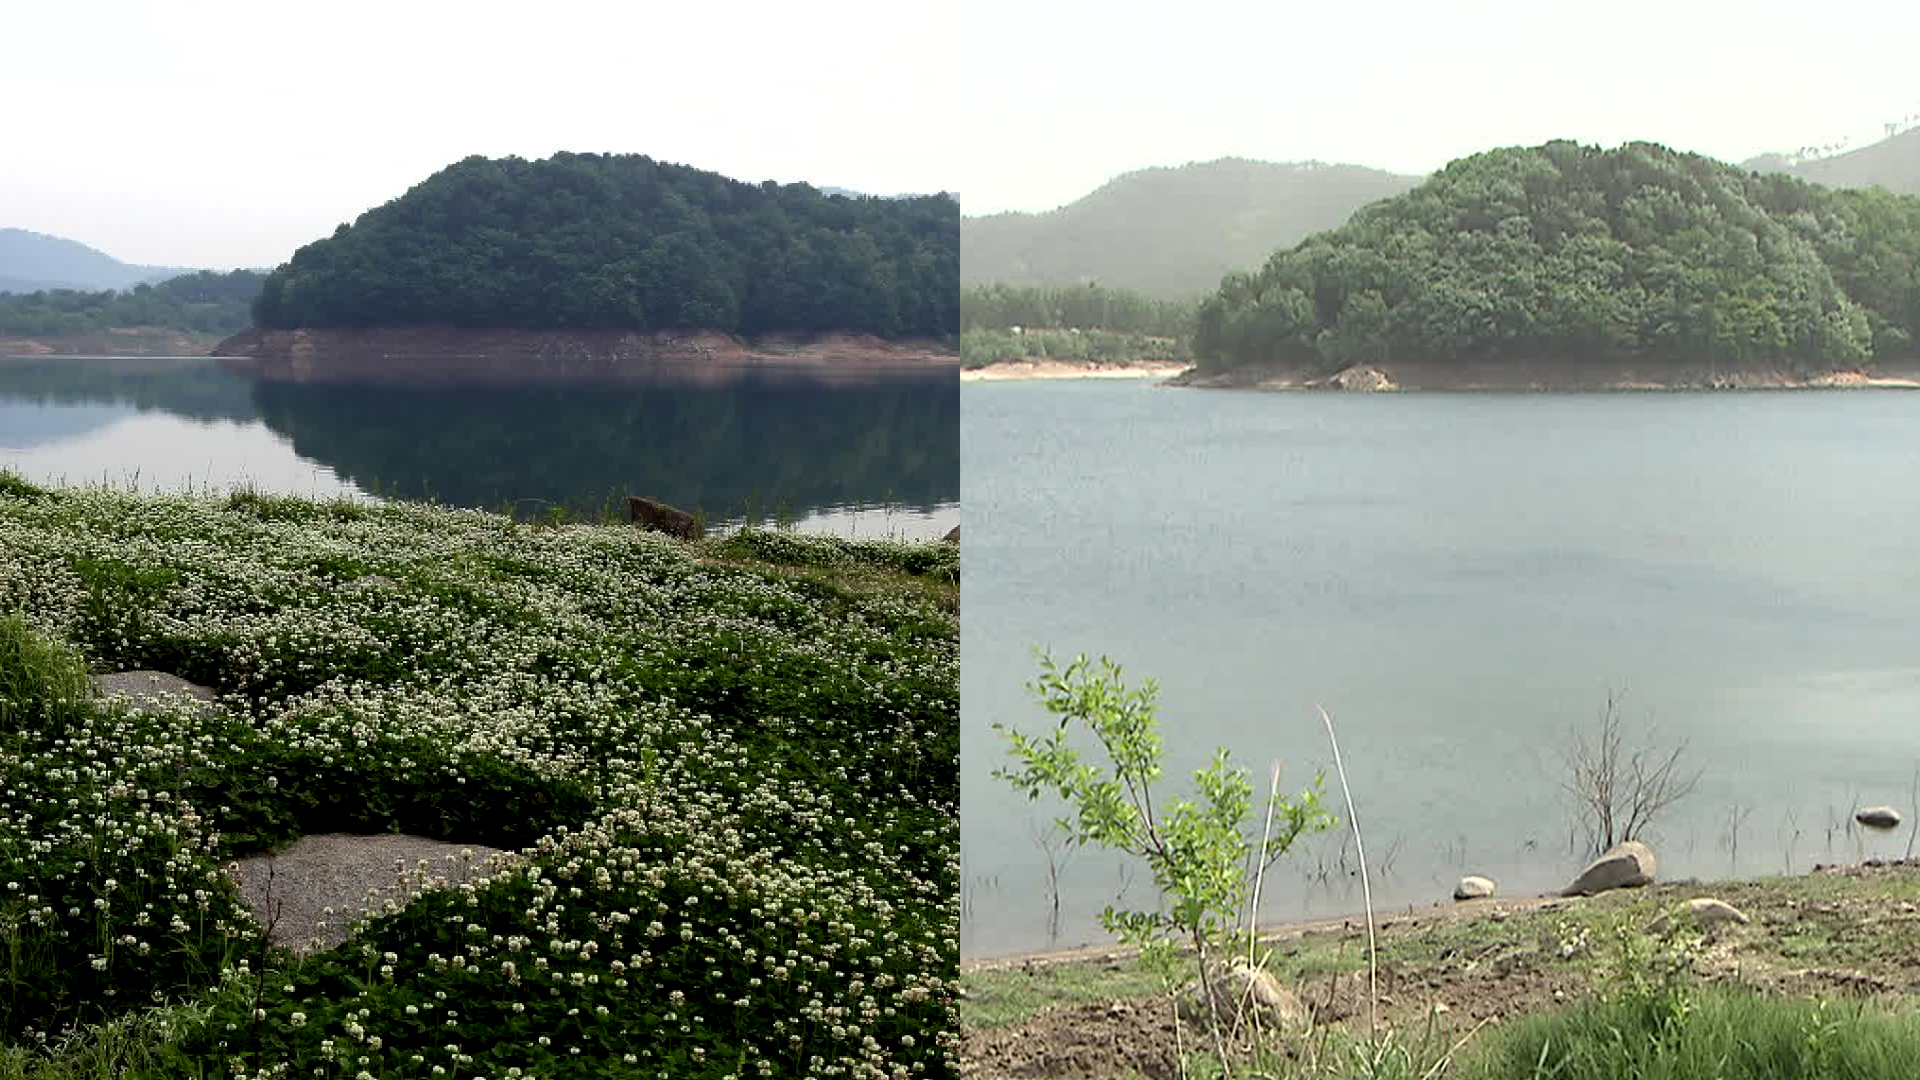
{"points": [[1568, 252], [1073, 307], [1071, 322], [206, 302], [592, 241]]}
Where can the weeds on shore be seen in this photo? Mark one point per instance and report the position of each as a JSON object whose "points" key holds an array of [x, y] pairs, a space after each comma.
{"points": [[733, 786]]}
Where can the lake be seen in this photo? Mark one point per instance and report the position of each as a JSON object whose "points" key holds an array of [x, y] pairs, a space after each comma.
{"points": [[880, 459], [1460, 579]]}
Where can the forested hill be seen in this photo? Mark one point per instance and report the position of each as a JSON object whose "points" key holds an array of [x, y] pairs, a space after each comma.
{"points": [[1569, 252], [1171, 232], [1892, 163], [594, 241], [203, 302]]}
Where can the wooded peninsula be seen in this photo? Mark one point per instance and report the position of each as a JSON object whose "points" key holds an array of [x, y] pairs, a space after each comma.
{"points": [[623, 242], [1565, 255]]}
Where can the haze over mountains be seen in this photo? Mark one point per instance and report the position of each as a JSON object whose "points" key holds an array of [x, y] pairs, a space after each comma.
{"points": [[31, 261], [1892, 163], [1173, 232]]}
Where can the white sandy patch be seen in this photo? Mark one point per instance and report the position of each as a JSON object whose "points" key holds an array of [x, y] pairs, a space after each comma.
{"points": [[1068, 369], [1848, 379]]}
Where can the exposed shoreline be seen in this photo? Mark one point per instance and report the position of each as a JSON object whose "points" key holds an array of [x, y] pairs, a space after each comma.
{"points": [[402, 354], [1547, 378], [1022, 370]]}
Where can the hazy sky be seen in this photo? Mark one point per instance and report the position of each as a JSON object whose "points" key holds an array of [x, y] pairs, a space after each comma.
{"points": [[1061, 97], [225, 133]]}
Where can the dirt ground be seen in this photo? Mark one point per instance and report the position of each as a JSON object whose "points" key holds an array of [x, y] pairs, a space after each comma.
{"points": [[1839, 930]]}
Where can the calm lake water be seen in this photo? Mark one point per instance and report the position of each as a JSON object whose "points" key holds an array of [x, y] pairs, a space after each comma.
{"points": [[1458, 579], [874, 460]]}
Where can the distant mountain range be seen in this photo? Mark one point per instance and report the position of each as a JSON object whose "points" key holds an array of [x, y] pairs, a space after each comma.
{"points": [[1171, 231], [31, 261], [1892, 163]]}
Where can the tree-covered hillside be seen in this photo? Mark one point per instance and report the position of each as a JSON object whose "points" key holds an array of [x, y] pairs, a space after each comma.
{"points": [[1002, 322], [1171, 232], [203, 302], [595, 241], [1570, 252]]}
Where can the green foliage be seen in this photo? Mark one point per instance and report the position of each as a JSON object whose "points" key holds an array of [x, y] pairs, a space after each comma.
{"points": [[15, 486], [204, 302], [1729, 1034], [784, 548], [981, 347], [734, 789], [1569, 253], [1198, 851], [42, 682], [594, 241], [1001, 322], [999, 306]]}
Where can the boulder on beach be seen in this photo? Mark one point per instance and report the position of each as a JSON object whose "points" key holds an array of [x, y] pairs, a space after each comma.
{"points": [[1473, 888], [953, 535], [1878, 817], [1626, 865], [1254, 993], [1707, 911], [659, 517]]}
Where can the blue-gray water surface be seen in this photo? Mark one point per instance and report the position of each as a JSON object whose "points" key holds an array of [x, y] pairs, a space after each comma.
{"points": [[877, 459], [1460, 579]]}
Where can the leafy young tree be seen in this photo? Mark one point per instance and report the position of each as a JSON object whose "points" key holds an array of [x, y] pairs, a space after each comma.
{"points": [[1201, 852]]}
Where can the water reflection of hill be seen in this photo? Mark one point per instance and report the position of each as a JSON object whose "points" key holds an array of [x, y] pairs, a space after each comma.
{"points": [[789, 447], [191, 387]]}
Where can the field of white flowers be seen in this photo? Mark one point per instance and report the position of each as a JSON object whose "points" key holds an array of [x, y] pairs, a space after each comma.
{"points": [[732, 765]]}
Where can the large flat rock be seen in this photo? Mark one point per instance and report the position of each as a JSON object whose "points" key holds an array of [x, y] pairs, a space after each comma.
{"points": [[291, 891], [151, 688]]}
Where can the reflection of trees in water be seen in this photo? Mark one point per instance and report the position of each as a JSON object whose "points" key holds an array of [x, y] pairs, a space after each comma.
{"points": [[194, 387], [769, 447]]}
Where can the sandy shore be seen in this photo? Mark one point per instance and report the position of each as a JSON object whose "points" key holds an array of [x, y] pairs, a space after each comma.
{"points": [[1066, 369]]}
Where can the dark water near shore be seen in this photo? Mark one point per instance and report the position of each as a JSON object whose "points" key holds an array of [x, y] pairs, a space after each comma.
{"points": [[872, 460], [1459, 579]]}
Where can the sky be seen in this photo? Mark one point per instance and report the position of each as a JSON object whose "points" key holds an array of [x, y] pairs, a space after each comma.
{"points": [[1084, 91], [220, 133]]}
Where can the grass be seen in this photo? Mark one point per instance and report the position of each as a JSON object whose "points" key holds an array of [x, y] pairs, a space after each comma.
{"points": [[999, 1002], [731, 766], [1726, 1034], [1828, 961]]}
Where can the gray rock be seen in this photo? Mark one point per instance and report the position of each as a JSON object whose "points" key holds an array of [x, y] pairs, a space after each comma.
{"points": [[1473, 888], [147, 688], [1705, 910], [1254, 994], [1879, 817], [306, 895], [1626, 865]]}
